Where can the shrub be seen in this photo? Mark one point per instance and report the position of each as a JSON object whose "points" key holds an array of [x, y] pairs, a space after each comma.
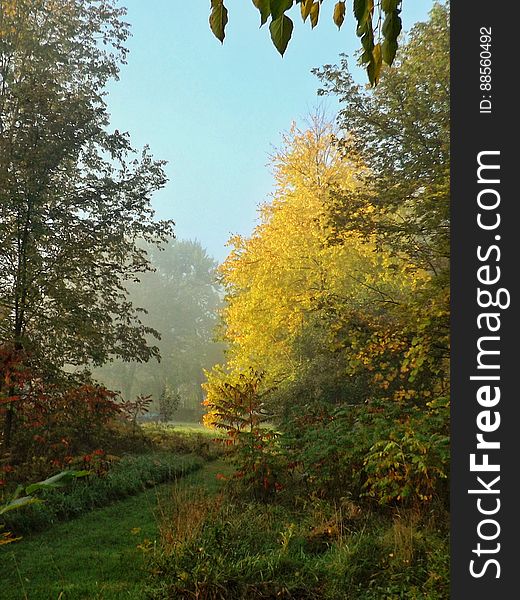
{"points": [[235, 403]]}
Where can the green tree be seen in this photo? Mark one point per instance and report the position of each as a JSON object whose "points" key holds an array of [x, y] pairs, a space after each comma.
{"points": [[402, 131], [168, 404], [74, 197]]}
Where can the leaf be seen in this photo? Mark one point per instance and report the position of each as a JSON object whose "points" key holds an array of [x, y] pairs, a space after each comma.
{"points": [[360, 10], [281, 31], [315, 14], [392, 26], [218, 19], [55, 481], [374, 66], [264, 7], [305, 7], [18, 503], [389, 50], [339, 13], [367, 41], [389, 5], [278, 7]]}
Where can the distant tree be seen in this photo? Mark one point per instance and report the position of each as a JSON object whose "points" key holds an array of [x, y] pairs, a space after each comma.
{"points": [[74, 198], [378, 24], [168, 403], [182, 299]]}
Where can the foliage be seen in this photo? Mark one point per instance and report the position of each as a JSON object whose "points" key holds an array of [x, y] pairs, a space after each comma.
{"points": [[286, 279], [136, 408], [405, 467], [235, 404], [168, 403], [74, 197], [16, 501], [378, 24], [402, 130], [58, 420]]}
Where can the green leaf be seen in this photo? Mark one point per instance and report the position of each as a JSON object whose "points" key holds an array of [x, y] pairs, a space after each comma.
{"points": [[18, 503], [278, 7], [367, 42], [55, 481], [389, 49], [305, 7], [218, 19], [392, 26], [281, 31], [315, 14], [264, 7], [339, 13], [389, 5], [360, 10]]}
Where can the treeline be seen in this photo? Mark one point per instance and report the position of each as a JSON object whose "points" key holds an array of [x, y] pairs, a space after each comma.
{"points": [[337, 306]]}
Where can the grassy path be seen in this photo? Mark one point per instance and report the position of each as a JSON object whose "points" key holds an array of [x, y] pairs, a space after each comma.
{"points": [[94, 556]]}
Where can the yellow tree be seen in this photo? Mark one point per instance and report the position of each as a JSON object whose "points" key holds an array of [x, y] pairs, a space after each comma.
{"points": [[288, 271]]}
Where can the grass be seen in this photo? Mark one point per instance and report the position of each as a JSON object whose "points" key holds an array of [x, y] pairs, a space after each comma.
{"points": [[96, 555], [180, 429], [128, 476], [186, 439], [232, 549]]}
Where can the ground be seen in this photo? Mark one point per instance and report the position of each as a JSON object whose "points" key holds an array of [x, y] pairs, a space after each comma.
{"points": [[97, 555]]}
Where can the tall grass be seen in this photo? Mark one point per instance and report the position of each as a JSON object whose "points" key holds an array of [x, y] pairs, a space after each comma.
{"points": [[216, 548]]}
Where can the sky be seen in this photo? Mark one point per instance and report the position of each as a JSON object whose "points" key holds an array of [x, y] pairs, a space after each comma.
{"points": [[216, 112]]}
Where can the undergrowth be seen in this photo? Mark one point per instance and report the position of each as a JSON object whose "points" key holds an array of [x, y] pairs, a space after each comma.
{"points": [[219, 548], [128, 476]]}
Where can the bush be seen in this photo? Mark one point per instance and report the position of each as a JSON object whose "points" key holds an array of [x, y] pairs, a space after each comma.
{"points": [[58, 420], [378, 451]]}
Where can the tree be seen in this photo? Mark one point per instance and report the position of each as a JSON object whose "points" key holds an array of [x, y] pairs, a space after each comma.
{"points": [[402, 130], [378, 24], [288, 290], [74, 198], [182, 300], [168, 404]]}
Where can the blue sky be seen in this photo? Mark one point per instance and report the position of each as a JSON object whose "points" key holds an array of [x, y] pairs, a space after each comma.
{"points": [[216, 112]]}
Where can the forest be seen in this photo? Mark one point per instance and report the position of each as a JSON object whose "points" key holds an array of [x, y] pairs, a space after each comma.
{"points": [[272, 425]]}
